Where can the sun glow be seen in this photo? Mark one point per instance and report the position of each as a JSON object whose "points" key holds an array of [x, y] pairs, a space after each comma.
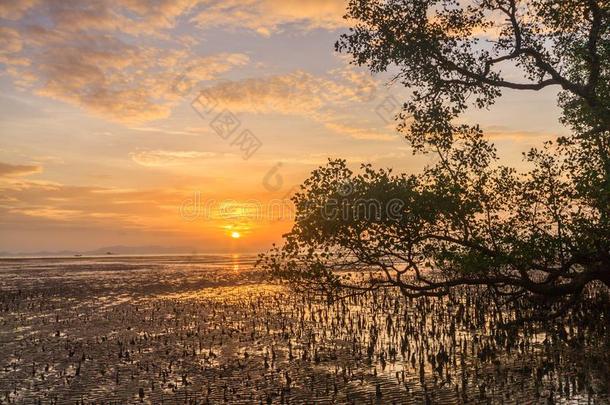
{"points": [[235, 235]]}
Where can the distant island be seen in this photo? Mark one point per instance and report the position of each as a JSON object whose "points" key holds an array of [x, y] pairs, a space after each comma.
{"points": [[110, 250]]}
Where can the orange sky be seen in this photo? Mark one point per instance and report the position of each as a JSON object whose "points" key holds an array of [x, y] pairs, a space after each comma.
{"points": [[101, 144]]}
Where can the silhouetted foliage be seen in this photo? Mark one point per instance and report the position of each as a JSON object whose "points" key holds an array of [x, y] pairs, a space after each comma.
{"points": [[542, 234]]}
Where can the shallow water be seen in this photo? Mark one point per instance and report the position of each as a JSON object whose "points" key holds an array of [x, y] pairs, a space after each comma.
{"points": [[207, 329]]}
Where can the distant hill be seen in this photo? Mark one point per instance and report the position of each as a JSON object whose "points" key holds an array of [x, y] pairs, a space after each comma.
{"points": [[110, 250]]}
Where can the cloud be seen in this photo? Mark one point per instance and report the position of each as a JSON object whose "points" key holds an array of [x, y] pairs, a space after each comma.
{"points": [[499, 132], [137, 17], [317, 97], [163, 158], [293, 93], [87, 206], [189, 131], [113, 79], [268, 16], [133, 17], [12, 10], [49, 213], [113, 58], [297, 92], [360, 133], [11, 45], [121, 59], [10, 40], [7, 170]]}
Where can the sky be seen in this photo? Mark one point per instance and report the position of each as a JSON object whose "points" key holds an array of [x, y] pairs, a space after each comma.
{"points": [[189, 123]]}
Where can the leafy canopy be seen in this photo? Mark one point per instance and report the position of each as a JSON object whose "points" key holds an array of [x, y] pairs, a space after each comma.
{"points": [[467, 220]]}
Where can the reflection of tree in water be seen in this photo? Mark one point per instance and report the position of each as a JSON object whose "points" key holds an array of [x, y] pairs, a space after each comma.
{"points": [[450, 349]]}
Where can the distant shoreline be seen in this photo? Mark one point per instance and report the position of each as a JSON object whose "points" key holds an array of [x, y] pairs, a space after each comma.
{"points": [[119, 255]]}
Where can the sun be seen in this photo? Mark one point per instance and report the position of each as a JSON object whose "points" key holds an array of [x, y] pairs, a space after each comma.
{"points": [[235, 235]]}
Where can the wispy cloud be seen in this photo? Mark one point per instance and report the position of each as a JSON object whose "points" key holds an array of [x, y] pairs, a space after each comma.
{"points": [[7, 169], [269, 16], [187, 131], [110, 58], [49, 213], [12, 10], [163, 158], [318, 97], [298, 92], [116, 80], [359, 132], [498, 132], [85, 53]]}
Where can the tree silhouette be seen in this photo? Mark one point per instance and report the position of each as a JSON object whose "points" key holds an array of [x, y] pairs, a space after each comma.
{"points": [[540, 234]]}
